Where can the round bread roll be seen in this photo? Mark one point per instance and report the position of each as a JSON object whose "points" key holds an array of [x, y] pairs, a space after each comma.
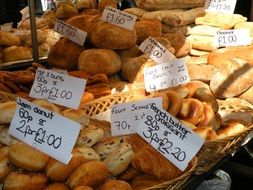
{"points": [[64, 54], [147, 27], [31, 181], [7, 111], [57, 186], [46, 104], [92, 174], [9, 39], [26, 157], [5, 167], [115, 184], [97, 61], [129, 53], [66, 10], [15, 53], [108, 36], [83, 188], [103, 3]]}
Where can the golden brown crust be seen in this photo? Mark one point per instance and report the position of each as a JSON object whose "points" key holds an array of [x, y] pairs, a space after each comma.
{"points": [[115, 184], [57, 186], [46, 104], [83, 188], [15, 53], [20, 77], [5, 167], [231, 129], [9, 39], [206, 133], [175, 102], [66, 10], [7, 111]]}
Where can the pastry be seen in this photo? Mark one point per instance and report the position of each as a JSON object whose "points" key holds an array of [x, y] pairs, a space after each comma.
{"points": [[135, 11], [66, 10], [206, 133], [7, 111], [5, 167], [115, 184], [78, 116], [9, 39], [231, 129], [15, 53]]}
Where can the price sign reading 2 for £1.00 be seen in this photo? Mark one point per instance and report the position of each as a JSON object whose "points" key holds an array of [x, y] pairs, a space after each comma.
{"points": [[58, 88], [45, 130]]}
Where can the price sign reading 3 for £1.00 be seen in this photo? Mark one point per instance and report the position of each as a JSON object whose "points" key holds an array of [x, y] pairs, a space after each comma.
{"points": [[45, 130]]}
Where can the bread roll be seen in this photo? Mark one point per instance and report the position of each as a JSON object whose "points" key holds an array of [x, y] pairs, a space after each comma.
{"points": [[31, 181], [147, 27], [181, 30], [129, 53], [66, 10], [64, 54], [231, 129], [97, 61], [206, 133], [86, 4], [5, 167], [57, 186], [92, 174], [50, 17], [83, 188], [109, 36], [26, 37], [26, 157], [16, 53], [46, 104], [7, 111], [5, 137], [115, 184], [103, 3], [9, 39], [78, 116]]}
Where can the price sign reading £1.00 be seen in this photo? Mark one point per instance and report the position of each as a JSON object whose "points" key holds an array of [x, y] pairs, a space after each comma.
{"points": [[74, 34], [167, 135], [45, 130], [156, 51], [223, 6], [118, 18], [236, 37], [58, 88]]}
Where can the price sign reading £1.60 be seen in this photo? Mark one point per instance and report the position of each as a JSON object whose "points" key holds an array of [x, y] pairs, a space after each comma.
{"points": [[74, 34], [223, 6], [167, 135], [236, 37], [58, 88], [118, 18], [45, 130]]}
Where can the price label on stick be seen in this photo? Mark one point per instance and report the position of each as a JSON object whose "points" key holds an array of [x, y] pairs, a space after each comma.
{"points": [[58, 88], [166, 75], [45, 130], [125, 117], [236, 37], [171, 138], [74, 34], [118, 18], [223, 6], [156, 51]]}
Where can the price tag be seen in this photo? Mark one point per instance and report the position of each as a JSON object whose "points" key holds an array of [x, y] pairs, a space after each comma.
{"points": [[156, 51], [171, 138], [118, 18], [125, 117], [25, 13], [166, 75], [74, 34], [236, 37], [45, 130], [58, 88], [223, 6]]}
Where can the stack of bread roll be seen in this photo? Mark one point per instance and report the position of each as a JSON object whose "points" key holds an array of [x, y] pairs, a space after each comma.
{"points": [[99, 161]]}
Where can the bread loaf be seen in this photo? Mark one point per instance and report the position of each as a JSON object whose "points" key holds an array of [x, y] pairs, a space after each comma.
{"points": [[230, 129], [203, 30], [160, 14], [201, 72], [205, 43], [103, 3], [5, 167], [26, 38], [86, 4]]}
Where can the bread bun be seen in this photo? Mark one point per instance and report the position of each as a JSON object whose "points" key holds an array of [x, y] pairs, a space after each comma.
{"points": [[66, 10], [5, 167], [7, 111], [115, 184], [47, 105], [27, 157], [86, 4], [129, 53], [109, 36], [103, 3], [206, 133], [31, 181], [78, 116], [83, 188], [175, 102], [16, 53], [96, 61], [231, 129], [92, 174], [9, 39], [57, 186], [41, 23]]}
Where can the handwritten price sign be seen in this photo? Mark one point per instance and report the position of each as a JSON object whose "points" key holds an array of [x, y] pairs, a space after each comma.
{"points": [[156, 51], [224, 6], [74, 34], [236, 37], [58, 88], [166, 75], [168, 136], [118, 18], [45, 130]]}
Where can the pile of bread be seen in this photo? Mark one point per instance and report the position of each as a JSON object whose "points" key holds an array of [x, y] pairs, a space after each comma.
{"points": [[99, 161]]}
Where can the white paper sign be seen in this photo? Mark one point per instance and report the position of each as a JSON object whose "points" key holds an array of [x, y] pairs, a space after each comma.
{"points": [[156, 51], [25, 13], [118, 18], [171, 138], [236, 37], [74, 34], [45, 130], [166, 75], [125, 117], [223, 6], [58, 88]]}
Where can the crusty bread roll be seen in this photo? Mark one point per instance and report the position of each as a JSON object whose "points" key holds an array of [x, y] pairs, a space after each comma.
{"points": [[129, 53], [64, 54], [31, 181], [92, 174], [15, 53], [109, 36], [206, 133], [7, 111], [57, 186], [147, 27], [27, 157], [97, 61], [165, 43], [103, 3], [46, 104], [5, 167], [86, 4], [9, 39], [231, 129], [115, 184], [66, 10]]}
